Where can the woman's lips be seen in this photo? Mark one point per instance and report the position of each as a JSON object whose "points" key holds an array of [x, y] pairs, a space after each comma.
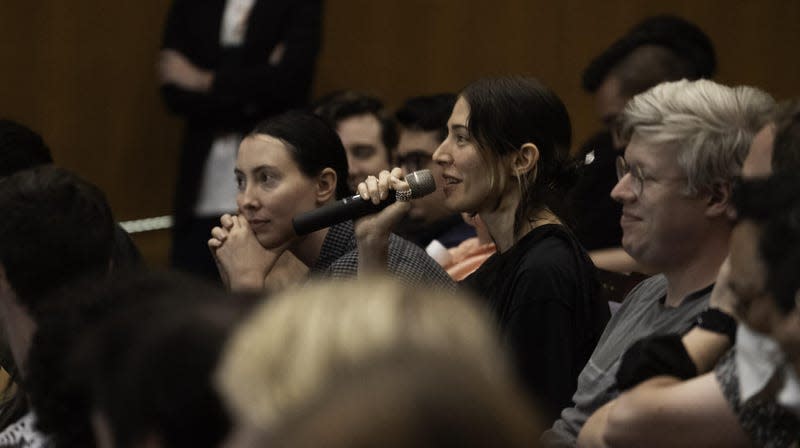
{"points": [[257, 223]]}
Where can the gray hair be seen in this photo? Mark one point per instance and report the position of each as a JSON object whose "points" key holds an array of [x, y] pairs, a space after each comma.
{"points": [[709, 125]]}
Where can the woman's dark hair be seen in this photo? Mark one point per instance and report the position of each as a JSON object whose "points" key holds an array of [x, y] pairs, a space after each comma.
{"points": [[504, 114], [140, 350], [774, 205], [312, 144]]}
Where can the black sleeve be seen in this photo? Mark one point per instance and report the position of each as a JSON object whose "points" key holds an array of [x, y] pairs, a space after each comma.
{"points": [[253, 90], [291, 78], [654, 356]]}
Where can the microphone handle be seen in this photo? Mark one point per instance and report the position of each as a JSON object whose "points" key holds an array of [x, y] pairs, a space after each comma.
{"points": [[352, 207]]}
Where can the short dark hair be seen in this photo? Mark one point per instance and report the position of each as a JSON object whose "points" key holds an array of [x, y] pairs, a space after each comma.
{"points": [[427, 113], [173, 328], [312, 143], [506, 113], [56, 228], [773, 203], [343, 104], [21, 148], [660, 48]]}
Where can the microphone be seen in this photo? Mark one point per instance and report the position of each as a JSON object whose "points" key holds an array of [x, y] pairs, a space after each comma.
{"points": [[354, 207]]}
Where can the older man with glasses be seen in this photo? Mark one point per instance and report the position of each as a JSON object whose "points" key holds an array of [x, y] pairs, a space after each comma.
{"points": [[686, 141]]}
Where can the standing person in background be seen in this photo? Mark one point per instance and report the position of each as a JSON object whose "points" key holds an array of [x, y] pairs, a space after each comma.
{"points": [[658, 49], [506, 158], [367, 131], [423, 127], [225, 65]]}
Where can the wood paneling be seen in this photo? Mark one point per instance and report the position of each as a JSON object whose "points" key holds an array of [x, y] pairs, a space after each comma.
{"points": [[82, 72]]}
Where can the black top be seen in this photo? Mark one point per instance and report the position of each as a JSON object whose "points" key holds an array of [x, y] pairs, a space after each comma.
{"points": [[544, 294], [596, 215]]}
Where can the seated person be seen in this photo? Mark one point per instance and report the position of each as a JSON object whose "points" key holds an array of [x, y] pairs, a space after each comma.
{"points": [[660, 48], [730, 406], [686, 143], [282, 360], [291, 164], [506, 159], [367, 131], [158, 391], [423, 127], [408, 399], [55, 229]]}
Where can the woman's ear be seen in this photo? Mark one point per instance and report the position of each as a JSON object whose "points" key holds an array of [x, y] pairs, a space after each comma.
{"points": [[525, 159], [326, 185]]}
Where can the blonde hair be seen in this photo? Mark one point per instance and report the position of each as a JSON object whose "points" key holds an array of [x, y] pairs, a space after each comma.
{"points": [[293, 345]]}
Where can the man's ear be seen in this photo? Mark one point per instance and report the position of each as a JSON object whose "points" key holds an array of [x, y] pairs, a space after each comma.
{"points": [[718, 200], [326, 185], [525, 159]]}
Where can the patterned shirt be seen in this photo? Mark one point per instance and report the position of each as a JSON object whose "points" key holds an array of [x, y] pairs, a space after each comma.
{"points": [[23, 434], [406, 262], [767, 423]]}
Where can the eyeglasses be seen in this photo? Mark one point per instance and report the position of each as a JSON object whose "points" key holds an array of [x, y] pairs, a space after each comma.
{"points": [[414, 161], [637, 177]]}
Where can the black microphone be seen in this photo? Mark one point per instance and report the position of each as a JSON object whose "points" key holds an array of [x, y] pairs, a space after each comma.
{"points": [[354, 207]]}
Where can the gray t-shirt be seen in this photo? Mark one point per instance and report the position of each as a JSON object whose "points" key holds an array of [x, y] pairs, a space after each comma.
{"points": [[642, 313]]}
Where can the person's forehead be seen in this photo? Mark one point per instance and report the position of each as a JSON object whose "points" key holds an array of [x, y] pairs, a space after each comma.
{"points": [[417, 140], [262, 150], [642, 151], [460, 113], [359, 127]]}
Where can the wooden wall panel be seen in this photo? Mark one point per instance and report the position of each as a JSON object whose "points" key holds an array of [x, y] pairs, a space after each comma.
{"points": [[82, 72]]}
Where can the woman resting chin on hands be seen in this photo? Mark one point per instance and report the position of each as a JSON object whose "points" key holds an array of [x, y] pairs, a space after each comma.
{"points": [[289, 165]]}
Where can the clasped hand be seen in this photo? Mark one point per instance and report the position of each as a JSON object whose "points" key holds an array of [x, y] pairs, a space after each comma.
{"points": [[241, 260]]}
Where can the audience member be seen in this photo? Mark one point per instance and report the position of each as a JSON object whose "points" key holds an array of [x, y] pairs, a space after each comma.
{"points": [[55, 228], [292, 349], [704, 410], [367, 131], [686, 142], [20, 149], [290, 164], [157, 392], [423, 127], [226, 65], [660, 48], [506, 159], [410, 399]]}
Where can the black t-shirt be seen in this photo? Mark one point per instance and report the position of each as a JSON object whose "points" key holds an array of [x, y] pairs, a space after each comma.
{"points": [[545, 296]]}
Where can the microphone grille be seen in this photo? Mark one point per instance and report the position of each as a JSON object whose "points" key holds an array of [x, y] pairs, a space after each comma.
{"points": [[421, 183]]}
